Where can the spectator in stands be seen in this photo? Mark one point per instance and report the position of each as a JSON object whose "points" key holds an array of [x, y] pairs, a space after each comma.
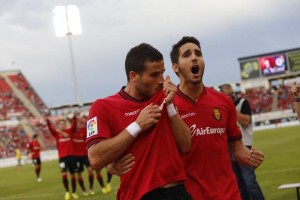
{"points": [[248, 185], [295, 90], [34, 149], [66, 153]]}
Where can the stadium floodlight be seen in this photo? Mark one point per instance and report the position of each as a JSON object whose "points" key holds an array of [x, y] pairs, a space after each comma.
{"points": [[67, 23]]}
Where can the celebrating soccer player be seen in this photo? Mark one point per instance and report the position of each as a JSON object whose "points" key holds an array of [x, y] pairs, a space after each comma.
{"points": [[34, 149]]}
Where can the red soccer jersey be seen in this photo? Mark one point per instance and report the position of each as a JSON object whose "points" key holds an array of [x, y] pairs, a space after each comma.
{"points": [[35, 148], [79, 142], [213, 122], [64, 144], [156, 155]]}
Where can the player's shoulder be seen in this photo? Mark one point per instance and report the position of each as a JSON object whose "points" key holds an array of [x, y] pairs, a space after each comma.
{"points": [[105, 100], [215, 93]]}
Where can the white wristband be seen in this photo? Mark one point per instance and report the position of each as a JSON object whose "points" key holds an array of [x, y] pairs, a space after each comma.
{"points": [[171, 110], [133, 129]]}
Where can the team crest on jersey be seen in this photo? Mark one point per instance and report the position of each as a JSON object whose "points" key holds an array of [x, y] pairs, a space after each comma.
{"points": [[217, 114], [92, 128]]}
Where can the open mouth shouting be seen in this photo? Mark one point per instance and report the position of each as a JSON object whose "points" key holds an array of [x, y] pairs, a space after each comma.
{"points": [[195, 69]]}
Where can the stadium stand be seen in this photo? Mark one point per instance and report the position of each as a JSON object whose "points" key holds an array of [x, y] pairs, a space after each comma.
{"points": [[22, 84], [264, 100], [22, 114], [19, 105]]}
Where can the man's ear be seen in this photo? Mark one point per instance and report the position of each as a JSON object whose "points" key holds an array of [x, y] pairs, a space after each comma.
{"points": [[133, 76], [175, 67]]}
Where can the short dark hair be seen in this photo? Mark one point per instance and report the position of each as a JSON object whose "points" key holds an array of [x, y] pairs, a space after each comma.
{"points": [[174, 54], [137, 56], [34, 136], [224, 86]]}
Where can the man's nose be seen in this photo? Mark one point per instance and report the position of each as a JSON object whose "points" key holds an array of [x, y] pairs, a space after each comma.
{"points": [[194, 56]]}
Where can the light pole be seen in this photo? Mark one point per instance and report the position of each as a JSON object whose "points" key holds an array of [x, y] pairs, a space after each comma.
{"points": [[67, 23]]}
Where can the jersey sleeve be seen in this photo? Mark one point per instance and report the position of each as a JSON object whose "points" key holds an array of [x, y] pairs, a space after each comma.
{"points": [[246, 109], [234, 131], [98, 123]]}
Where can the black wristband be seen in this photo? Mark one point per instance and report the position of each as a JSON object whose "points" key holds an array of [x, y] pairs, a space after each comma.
{"points": [[297, 99]]}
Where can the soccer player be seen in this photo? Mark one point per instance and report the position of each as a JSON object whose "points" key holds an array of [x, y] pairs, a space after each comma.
{"points": [[248, 185], [65, 153], [18, 157], [212, 119], [295, 90], [81, 157], [105, 188], [141, 119], [34, 149]]}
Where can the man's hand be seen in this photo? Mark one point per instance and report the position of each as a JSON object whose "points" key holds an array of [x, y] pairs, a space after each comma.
{"points": [[256, 158], [122, 165], [149, 116], [169, 89]]}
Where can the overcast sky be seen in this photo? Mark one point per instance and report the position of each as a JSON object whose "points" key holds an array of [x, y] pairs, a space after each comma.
{"points": [[227, 30]]}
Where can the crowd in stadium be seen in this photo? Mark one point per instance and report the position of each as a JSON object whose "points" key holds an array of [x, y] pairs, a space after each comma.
{"points": [[264, 100], [12, 137], [10, 105], [21, 83]]}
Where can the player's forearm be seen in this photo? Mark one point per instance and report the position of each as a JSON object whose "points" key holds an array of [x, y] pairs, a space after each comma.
{"points": [[51, 129], [240, 152], [181, 133], [109, 150]]}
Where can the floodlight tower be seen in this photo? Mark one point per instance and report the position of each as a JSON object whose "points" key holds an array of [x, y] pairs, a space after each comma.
{"points": [[67, 23]]}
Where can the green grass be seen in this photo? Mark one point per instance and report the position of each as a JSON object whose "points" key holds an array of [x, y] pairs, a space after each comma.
{"points": [[20, 183], [282, 165]]}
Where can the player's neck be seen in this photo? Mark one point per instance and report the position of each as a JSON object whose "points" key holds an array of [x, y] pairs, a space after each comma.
{"points": [[131, 91], [191, 90]]}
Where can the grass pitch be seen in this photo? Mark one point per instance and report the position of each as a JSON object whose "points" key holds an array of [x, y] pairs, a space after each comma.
{"points": [[21, 184], [281, 166]]}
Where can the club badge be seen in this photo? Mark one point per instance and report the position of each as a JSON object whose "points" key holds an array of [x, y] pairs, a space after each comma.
{"points": [[217, 114]]}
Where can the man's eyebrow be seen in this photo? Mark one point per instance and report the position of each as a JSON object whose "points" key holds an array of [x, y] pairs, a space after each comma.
{"points": [[198, 50], [188, 50]]}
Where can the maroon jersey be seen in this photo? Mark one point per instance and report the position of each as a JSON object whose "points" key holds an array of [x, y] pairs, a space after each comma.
{"points": [[79, 142], [35, 148], [156, 155], [213, 123], [64, 144]]}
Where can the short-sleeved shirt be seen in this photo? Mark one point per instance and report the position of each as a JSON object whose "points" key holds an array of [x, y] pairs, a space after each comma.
{"points": [[213, 123], [35, 148], [246, 108], [79, 142], [243, 106], [157, 160]]}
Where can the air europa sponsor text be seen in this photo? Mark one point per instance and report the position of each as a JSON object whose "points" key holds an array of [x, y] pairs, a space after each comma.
{"points": [[205, 130]]}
